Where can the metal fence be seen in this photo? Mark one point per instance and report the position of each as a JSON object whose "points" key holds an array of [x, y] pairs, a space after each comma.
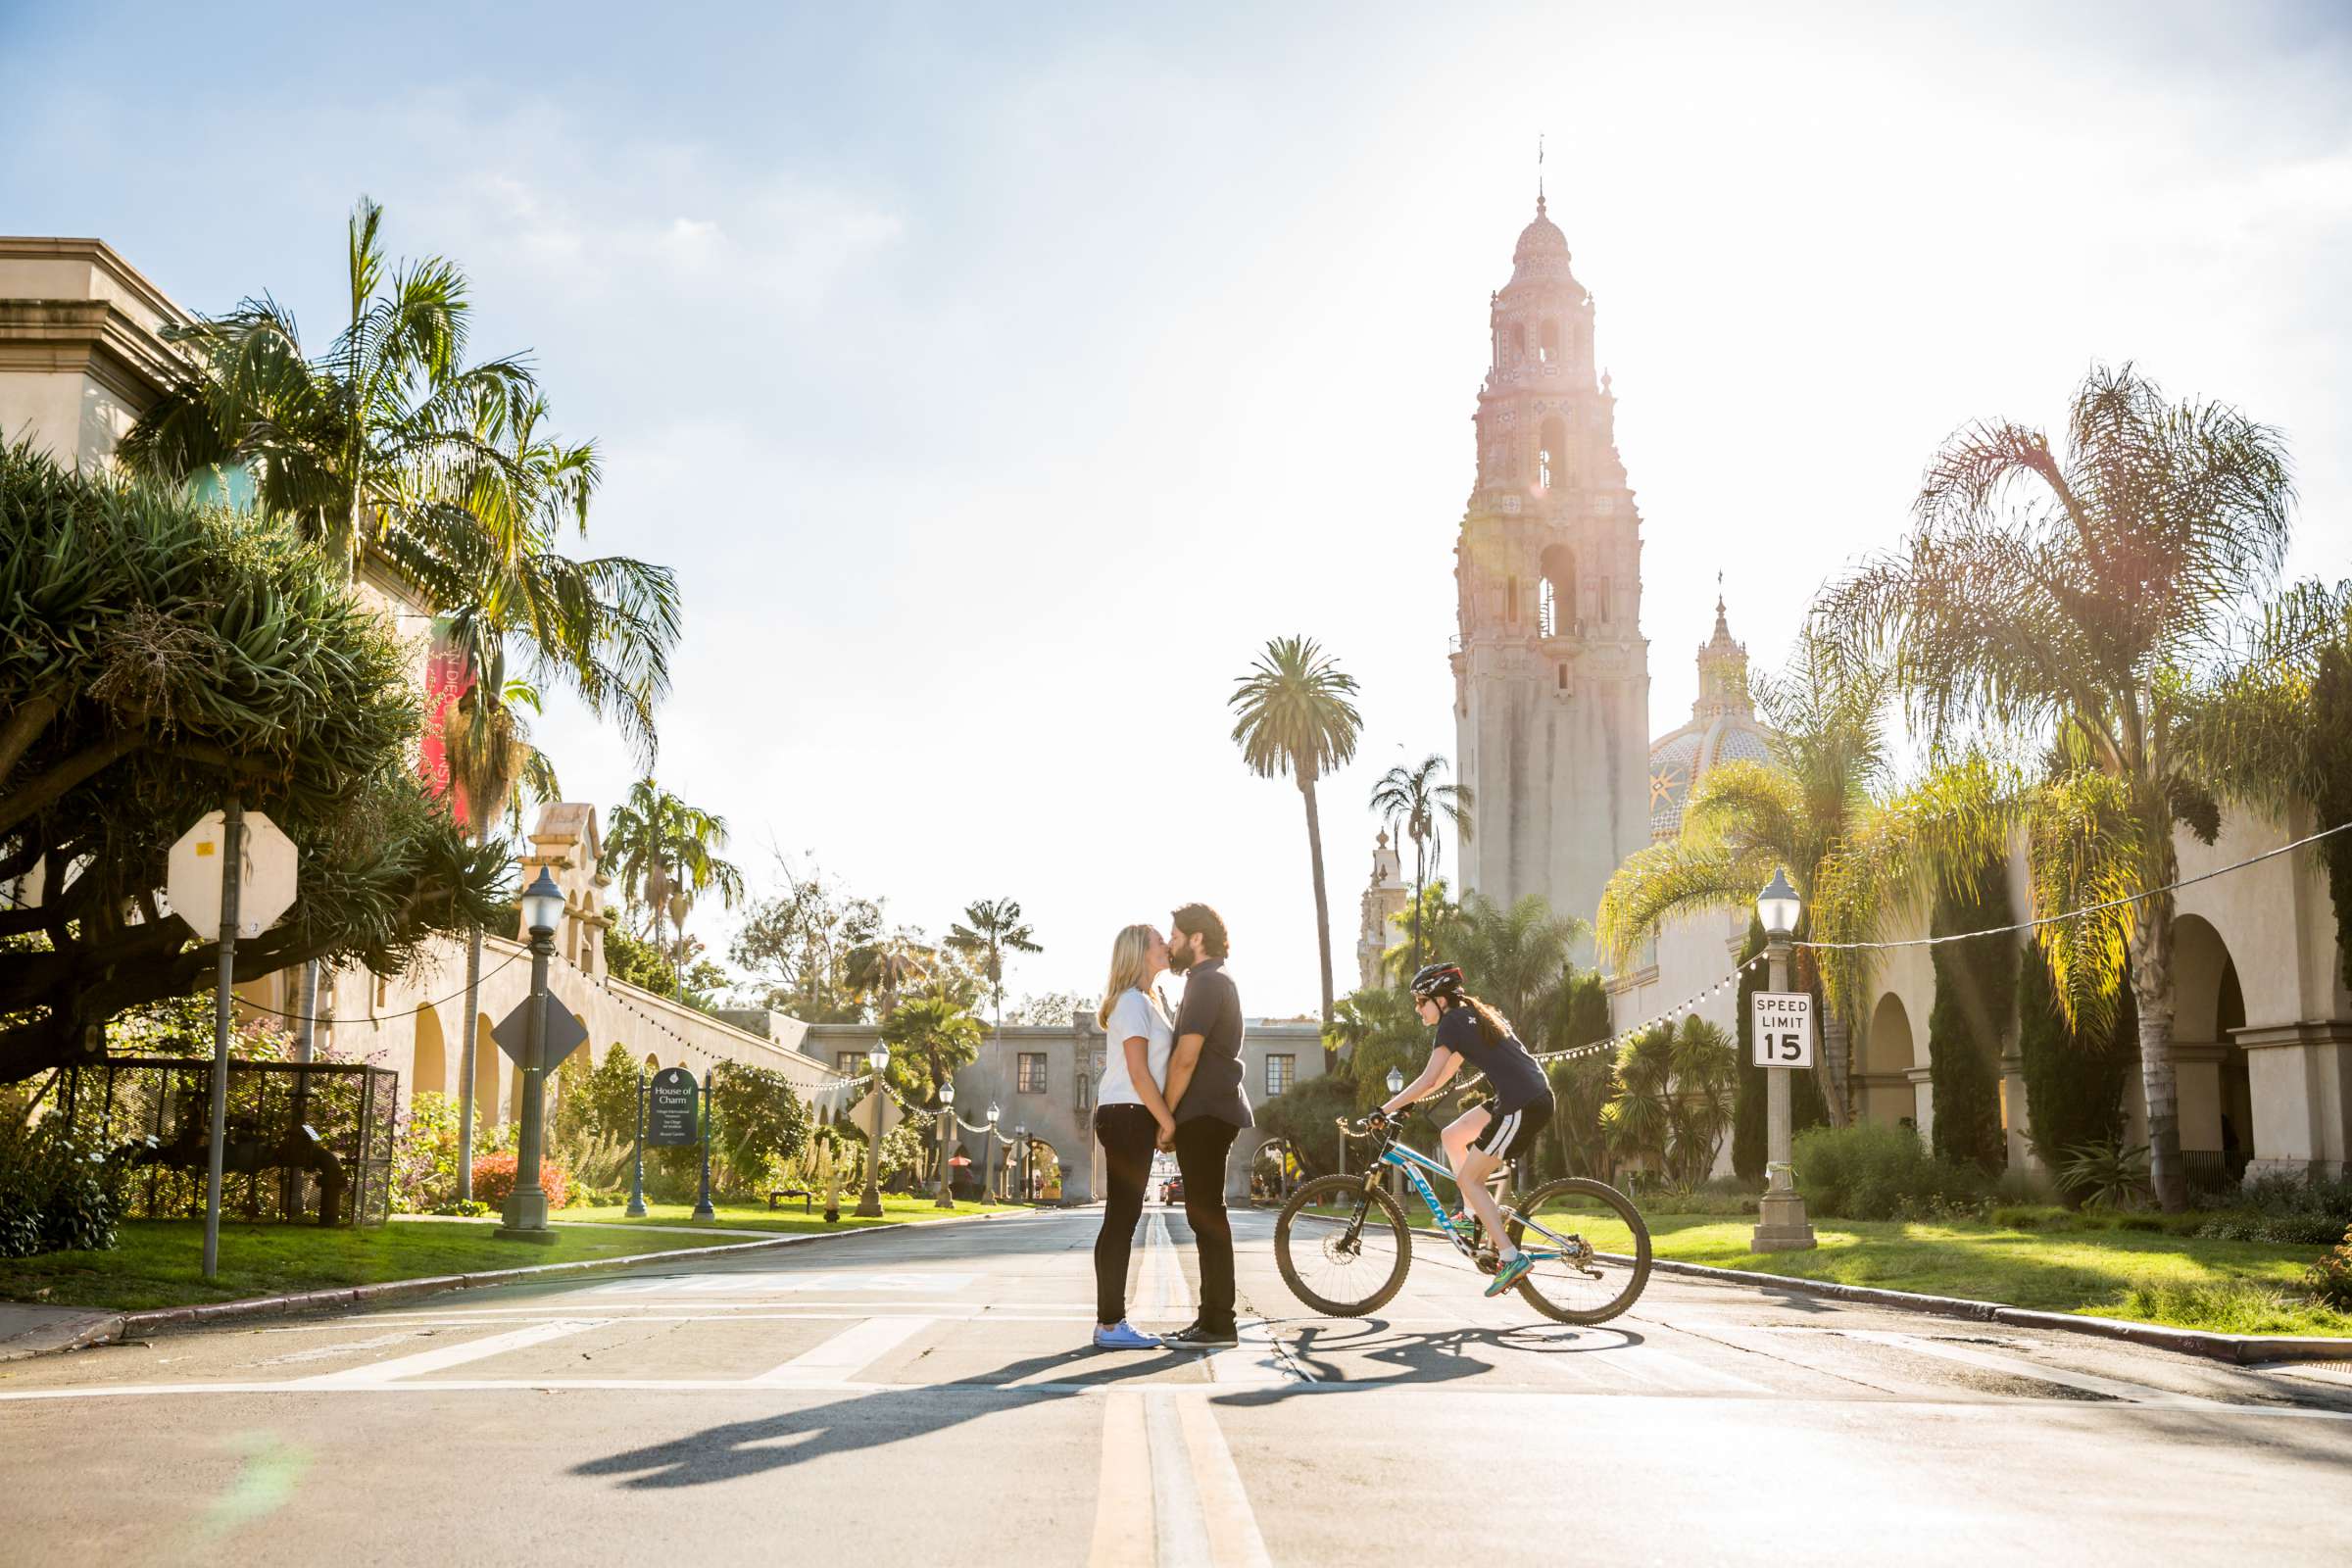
{"points": [[306, 1140]]}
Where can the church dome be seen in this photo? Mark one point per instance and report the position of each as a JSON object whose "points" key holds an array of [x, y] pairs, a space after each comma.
{"points": [[1541, 239], [1723, 728]]}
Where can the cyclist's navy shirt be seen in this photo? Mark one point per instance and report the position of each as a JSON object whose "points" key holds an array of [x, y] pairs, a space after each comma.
{"points": [[1518, 1082]]}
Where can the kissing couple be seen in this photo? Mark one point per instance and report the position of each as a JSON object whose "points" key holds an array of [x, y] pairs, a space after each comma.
{"points": [[1173, 1084]]}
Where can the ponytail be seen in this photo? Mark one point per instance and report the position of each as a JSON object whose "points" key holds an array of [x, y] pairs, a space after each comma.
{"points": [[1492, 1027]]}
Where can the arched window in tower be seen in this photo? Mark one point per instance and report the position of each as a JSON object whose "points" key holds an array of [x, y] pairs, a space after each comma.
{"points": [[1552, 453], [1557, 604], [1510, 600], [1551, 350], [1518, 341]]}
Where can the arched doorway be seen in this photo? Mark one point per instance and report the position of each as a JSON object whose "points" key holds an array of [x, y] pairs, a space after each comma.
{"points": [[2209, 1007], [1883, 1089], [430, 1073]]}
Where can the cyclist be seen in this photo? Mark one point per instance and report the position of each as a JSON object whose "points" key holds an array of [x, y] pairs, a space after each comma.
{"points": [[1482, 1138]]}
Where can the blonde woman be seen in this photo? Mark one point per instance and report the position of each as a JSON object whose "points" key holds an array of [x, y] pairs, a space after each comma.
{"points": [[1131, 1118]]}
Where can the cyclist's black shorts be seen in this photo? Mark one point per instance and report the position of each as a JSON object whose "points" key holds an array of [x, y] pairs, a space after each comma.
{"points": [[1514, 1132]]}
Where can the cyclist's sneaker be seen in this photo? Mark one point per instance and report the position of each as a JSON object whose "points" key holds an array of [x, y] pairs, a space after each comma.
{"points": [[1123, 1336], [1509, 1274]]}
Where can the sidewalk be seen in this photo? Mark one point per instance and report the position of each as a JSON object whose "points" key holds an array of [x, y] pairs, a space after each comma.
{"points": [[26, 1329]]}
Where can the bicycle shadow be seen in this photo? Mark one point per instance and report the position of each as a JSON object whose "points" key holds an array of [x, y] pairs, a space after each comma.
{"points": [[1419, 1358]]}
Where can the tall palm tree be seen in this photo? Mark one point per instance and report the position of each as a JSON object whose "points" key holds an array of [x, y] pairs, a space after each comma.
{"points": [[665, 853], [1293, 718], [2097, 601], [990, 929], [1413, 796], [887, 965], [1745, 820], [1513, 958]]}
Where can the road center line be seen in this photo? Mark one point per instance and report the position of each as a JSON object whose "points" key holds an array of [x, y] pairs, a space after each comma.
{"points": [[1123, 1522], [449, 1355], [1162, 1293], [845, 1353]]}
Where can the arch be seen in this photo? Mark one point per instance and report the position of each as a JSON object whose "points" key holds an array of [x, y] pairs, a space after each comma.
{"points": [[1882, 1081], [1551, 453], [1510, 600], [1557, 616], [2209, 1007], [1549, 344], [485, 1074], [1518, 341], [430, 1072]]}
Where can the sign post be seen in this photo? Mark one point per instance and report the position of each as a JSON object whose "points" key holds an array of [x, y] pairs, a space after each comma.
{"points": [[702, 1206], [1781, 1036], [230, 875]]}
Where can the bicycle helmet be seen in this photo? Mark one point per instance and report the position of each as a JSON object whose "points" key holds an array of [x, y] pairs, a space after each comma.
{"points": [[1438, 980]]}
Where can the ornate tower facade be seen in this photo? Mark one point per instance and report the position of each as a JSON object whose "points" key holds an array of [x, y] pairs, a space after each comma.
{"points": [[1550, 671]]}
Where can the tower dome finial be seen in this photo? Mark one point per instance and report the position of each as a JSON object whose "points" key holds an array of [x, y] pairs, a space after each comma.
{"points": [[1538, 174]]}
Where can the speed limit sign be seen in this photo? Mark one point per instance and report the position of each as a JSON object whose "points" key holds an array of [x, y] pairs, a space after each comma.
{"points": [[1782, 1028]]}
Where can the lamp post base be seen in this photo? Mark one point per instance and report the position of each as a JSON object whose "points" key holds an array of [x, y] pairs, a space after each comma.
{"points": [[1782, 1225], [543, 1235]]}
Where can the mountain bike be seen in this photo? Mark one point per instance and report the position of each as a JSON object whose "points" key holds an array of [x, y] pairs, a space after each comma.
{"points": [[1344, 1245]]}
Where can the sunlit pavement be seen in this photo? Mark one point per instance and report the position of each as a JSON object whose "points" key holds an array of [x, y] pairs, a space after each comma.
{"points": [[930, 1395]]}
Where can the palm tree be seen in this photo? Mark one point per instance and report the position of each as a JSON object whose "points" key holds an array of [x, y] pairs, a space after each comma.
{"points": [[990, 929], [887, 965], [1745, 820], [1413, 796], [2097, 604], [937, 1030], [1293, 718], [1514, 957], [665, 853]]}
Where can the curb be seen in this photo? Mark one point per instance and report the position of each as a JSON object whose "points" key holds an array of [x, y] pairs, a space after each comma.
{"points": [[2240, 1350], [137, 1325]]}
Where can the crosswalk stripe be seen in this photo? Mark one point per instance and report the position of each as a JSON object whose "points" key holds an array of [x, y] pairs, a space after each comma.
{"points": [[448, 1356], [846, 1352]]}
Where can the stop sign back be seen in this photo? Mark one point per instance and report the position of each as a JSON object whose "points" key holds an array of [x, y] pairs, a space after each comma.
{"points": [[264, 884]]}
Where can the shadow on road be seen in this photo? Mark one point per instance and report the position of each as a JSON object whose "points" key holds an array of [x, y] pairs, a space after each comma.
{"points": [[844, 1426]]}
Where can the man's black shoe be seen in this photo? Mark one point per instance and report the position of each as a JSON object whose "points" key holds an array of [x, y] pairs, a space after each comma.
{"points": [[1200, 1337]]}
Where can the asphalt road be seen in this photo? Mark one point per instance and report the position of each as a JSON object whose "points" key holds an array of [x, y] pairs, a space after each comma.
{"points": [[929, 1397]]}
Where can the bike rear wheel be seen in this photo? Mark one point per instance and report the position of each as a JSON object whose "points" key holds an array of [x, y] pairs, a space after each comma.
{"points": [[1591, 1249], [1343, 1249]]}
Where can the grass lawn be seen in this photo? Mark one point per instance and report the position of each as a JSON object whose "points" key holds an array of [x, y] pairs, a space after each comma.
{"points": [[2085, 1266], [896, 1209], [158, 1262]]}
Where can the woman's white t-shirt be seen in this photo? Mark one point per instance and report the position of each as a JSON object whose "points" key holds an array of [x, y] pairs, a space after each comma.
{"points": [[1134, 1014]]}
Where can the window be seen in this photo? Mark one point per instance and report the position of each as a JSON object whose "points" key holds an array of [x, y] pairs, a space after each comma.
{"points": [[1551, 453], [1564, 678], [849, 1064], [1559, 592], [1089, 1082], [1281, 1073], [1551, 353], [1033, 1073], [1510, 600]]}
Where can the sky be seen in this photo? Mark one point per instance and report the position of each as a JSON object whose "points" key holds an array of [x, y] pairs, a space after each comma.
{"points": [[999, 379]]}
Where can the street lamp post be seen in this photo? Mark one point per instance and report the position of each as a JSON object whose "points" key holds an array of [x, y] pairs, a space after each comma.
{"points": [[527, 1205], [1782, 1225], [1020, 1141], [988, 1157], [947, 1144], [869, 1206]]}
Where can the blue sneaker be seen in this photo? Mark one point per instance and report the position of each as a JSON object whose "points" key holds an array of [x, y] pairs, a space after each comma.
{"points": [[1509, 1274], [1122, 1336]]}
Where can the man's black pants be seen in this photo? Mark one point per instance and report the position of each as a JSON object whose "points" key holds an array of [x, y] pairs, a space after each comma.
{"points": [[1201, 1145]]}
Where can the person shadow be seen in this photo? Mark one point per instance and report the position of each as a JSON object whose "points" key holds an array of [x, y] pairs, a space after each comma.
{"points": [[787, 1437]]}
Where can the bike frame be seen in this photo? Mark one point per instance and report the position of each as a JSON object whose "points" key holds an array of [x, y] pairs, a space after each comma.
{"points": [[1413, 1162]]}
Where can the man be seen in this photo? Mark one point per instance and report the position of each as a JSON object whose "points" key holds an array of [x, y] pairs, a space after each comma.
{"points": [[1205, 1089]]}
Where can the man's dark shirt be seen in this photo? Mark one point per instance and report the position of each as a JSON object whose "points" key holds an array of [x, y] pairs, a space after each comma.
{"points": [[1213, 1010]]}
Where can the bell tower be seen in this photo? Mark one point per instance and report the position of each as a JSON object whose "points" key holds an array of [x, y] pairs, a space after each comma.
{"points": [[1550, 671]]}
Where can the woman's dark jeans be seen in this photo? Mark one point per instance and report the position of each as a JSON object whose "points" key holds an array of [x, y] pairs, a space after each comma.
{"points": [[1128, 1135]]}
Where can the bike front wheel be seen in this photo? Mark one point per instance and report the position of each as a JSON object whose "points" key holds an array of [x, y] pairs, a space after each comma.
{"points": [[1343, 1248], [1591, 1250]]}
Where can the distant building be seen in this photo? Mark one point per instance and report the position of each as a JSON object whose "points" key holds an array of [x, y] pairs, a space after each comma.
{"points": [[1386, 897]]}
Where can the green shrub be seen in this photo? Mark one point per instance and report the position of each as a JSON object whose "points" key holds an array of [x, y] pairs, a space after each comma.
{"points": [[2106, 1175], [2073, 1085], [1306, 1114], [2284, 1210], [1872, 1171], [55, 1195], [2022, 1185], [2331, 1278], [494, 1181]]}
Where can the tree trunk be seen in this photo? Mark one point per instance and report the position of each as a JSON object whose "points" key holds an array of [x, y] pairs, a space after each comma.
{"points": [[1314, 853], [1835, 1069], [473, 1001], [2151, 975], [1418, 868]]}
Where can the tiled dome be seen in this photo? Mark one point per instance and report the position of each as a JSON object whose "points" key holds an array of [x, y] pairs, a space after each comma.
{"points": [[1723, 727]]}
